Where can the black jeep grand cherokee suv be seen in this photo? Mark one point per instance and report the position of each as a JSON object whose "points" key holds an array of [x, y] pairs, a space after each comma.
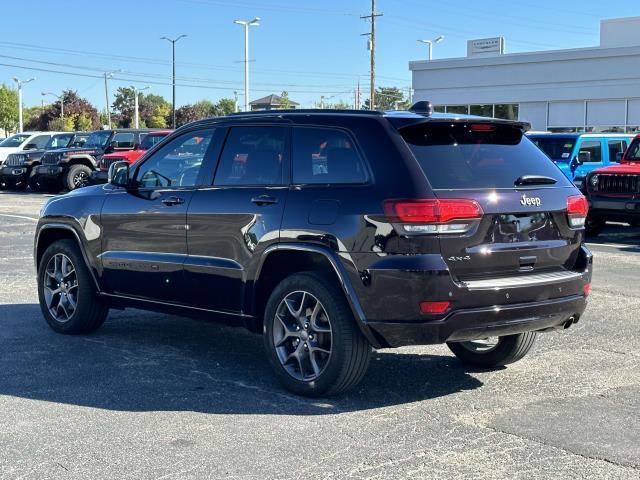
{"points": [[329, 232]]}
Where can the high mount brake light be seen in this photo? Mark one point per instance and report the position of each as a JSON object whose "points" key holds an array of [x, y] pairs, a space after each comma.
{"points": [[433, 215], [577, 209], [482, 127]]}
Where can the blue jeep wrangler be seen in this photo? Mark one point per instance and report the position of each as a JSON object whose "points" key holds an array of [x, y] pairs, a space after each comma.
{"points": [[577, 154]]}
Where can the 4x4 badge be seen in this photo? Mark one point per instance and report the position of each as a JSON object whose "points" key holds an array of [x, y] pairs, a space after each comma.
{"points": [[530, 201]]}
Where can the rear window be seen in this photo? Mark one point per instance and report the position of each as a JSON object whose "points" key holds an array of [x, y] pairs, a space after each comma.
{"points": [[460, 157], [558, 148]]}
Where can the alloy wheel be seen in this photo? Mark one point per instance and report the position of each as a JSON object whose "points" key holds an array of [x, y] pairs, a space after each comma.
{"points": [[302, 335], [61, 287], [80, 179], [484, 345]]}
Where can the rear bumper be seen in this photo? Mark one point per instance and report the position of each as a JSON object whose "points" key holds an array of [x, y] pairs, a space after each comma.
{"points": [[615, 208], [470, 324]]}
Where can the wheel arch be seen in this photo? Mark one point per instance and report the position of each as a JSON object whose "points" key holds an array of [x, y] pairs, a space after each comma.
{"points": [[86, 160], [272, 270], [49, 233]]}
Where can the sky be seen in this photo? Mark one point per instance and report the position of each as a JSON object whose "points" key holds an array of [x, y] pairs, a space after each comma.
{"points": [[309, 48]]}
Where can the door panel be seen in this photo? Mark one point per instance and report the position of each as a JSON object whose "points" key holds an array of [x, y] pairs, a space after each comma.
{"points": [[144, 227], [227, 232], [144, 243]]}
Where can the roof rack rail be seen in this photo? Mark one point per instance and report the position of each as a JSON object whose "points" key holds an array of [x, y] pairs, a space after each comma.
{"points": [[308, 110]]}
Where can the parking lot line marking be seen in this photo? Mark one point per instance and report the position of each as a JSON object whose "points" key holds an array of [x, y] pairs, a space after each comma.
{"points": [[613, 245], [18, 216]]}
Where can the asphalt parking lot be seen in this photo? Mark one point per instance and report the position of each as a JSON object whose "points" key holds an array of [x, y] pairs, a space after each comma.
{"points": [[156, 396]]}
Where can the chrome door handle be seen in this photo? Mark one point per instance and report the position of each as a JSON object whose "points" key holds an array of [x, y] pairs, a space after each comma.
{"points": [[170, 201]]}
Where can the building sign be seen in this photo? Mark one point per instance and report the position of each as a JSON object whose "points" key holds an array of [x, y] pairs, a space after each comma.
{"points": [[485, 47]]}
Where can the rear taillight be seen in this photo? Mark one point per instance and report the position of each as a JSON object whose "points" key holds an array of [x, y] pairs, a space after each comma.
{"points": [[434, 307], [433, 215], [577, 209], [586, 289]]}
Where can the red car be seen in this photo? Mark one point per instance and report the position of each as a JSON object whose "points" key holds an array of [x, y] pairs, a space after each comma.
{"points": [[131, 156], [614, 192]]}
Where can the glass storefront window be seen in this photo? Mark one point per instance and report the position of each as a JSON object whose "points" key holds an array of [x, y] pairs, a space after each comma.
{"points": [[439, 108], [508, 111], [566, 129], [633, 129], [606, 129], [481, 110], [464, 109]]}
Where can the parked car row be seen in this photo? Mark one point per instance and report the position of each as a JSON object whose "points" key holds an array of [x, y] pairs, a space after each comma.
{"points": [[53, 161]]}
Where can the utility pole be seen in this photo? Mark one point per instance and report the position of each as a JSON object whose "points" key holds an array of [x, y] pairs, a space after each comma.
{"points": [[372, 49], [235, 97], [136, 112], [246, 24], [107, 76], [321, 101], [19, 83], [173, 82]]}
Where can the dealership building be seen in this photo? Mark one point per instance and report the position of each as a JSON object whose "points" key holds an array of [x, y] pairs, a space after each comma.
{"points": [[595, 89]]}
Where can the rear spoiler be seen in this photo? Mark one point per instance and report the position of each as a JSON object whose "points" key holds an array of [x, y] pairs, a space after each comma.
{"points": [[406, 122]]}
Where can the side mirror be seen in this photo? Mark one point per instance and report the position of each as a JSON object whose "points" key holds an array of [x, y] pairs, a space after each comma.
{"points": [[30, 146], [119, 174], [113, 145], [619, 156]]}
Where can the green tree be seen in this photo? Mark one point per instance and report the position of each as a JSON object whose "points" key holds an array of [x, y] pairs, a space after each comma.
{"points": [[158, 112], [8, 109], [66, 124], [75, 109], [225, 106], [286, 101], [83, 123], [389, 98], [340, 105]]}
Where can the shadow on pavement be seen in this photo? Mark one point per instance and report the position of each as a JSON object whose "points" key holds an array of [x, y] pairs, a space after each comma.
{"points": [[140, 361]]}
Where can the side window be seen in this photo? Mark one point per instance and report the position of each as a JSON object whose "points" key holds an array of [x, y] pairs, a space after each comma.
{"points": [[39, 142], [594, 150], [60, 141], [124, 140], [252, 156], [177, 164], [615, 147], [323, 155]]}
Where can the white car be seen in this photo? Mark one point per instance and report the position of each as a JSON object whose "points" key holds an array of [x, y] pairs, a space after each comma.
{"points": [[23, 141]]}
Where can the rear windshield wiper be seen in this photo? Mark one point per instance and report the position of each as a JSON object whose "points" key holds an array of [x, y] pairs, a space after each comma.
{"points": [[534, 180]]}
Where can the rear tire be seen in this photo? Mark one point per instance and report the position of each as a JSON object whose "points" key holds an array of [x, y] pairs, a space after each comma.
{"points": [[311, 338], [67, 292], [77, 176], [508, 349], [33, 183]]}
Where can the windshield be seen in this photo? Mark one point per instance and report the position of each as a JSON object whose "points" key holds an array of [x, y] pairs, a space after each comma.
{"points": [[59, 141], [150, 140], [14, 140], [557, 148], [477, 156], [98, 139], [633, 152]]}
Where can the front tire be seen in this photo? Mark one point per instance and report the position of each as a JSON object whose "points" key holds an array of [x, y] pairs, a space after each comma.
{"points": [[77, 177], [311, 338], [66, 290], [494, 353]]}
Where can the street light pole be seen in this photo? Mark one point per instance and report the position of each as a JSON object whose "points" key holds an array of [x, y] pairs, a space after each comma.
{"points": [[59, 97], [19, 83], [173, 62], [430, 43], [246, 24], [235, 97], [136, 114]]}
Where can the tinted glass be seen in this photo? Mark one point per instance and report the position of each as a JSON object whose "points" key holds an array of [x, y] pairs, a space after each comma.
{"points": [[14, 140], [616, 147], [633, 154], [325, 156], [252, 156], [558, 148], [593, 148], [59, 141], [39, 142], [98, 139], [124, 140], [150, 140], [455, 157], [177, 164]]}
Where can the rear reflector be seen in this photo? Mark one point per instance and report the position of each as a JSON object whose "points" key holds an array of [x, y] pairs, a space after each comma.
{"points": [[432, 210], [434, 307], [577, 209], [586, 289]]}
